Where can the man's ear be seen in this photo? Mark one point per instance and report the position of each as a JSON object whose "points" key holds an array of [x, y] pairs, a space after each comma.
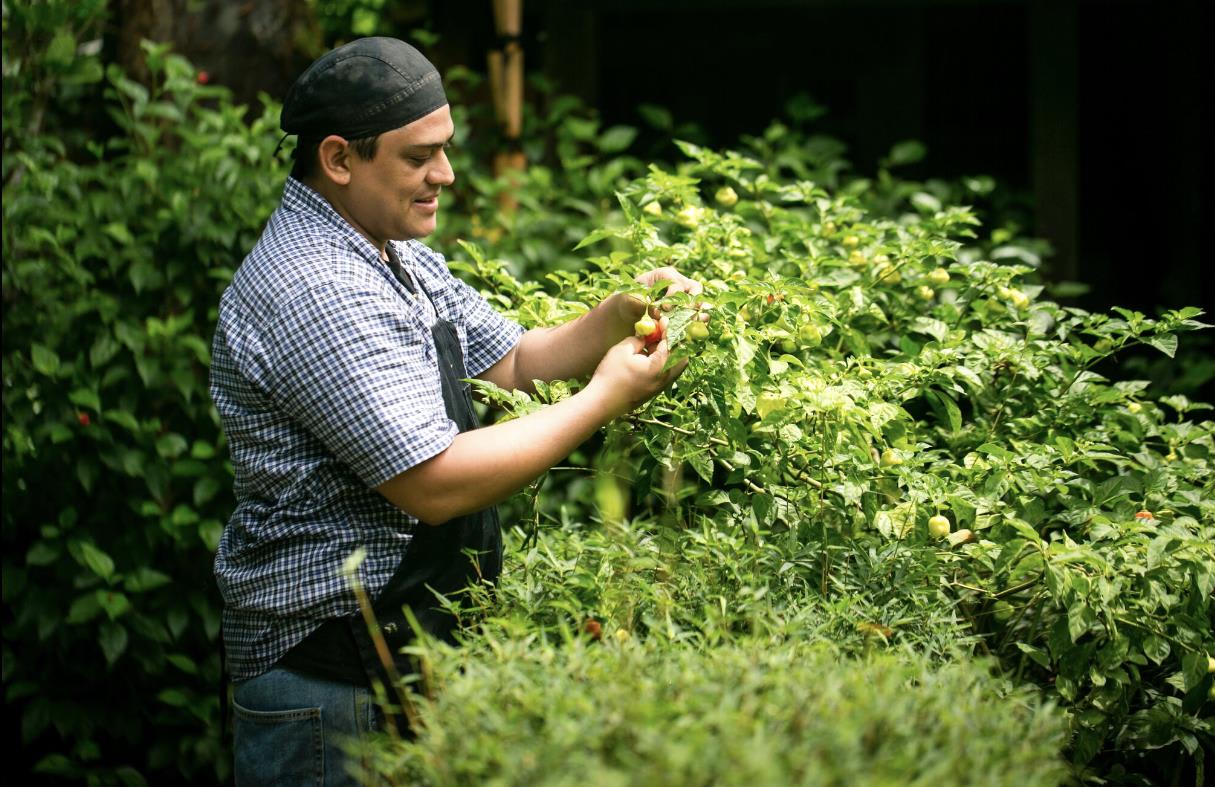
{"points": [[333, 156]]}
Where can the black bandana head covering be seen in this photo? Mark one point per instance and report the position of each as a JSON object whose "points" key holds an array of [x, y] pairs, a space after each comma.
{"points": [[362, 89]]}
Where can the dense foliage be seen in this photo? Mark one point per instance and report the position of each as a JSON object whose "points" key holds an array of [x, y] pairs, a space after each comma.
{"points": [[873, 366], [115, 479], [711, 578]]}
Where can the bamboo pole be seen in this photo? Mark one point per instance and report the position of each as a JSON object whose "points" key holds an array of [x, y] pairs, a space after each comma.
{"points": [[506, 83]]}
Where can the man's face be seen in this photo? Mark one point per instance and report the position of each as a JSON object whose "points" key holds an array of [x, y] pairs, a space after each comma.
{"points": [[395, 196]]}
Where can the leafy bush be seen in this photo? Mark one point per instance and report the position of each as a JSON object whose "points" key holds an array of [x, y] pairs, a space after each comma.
{"points": [[733, 715], [867, 370], [115, 485]]}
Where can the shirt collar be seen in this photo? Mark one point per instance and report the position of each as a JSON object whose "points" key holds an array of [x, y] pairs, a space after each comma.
{"points": [[298, 196]]}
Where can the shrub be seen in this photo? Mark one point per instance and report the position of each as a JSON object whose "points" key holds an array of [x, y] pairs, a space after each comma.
{"points": [[518, 711], [115, 483]]}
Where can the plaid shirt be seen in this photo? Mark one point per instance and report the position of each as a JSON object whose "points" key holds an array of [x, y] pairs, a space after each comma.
{"points": [[326, 380]]}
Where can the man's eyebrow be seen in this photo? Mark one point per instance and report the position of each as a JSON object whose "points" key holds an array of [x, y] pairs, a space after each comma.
{"points": [[433, 145]]}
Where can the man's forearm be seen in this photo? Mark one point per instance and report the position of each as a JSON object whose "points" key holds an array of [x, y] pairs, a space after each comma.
{"points": [[485, 466], [572, 350]]}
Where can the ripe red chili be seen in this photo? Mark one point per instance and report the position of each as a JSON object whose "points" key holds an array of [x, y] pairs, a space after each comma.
{"points": [[83, 419]]}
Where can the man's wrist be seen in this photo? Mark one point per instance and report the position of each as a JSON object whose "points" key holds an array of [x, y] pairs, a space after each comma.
{"points": [[607, 404]]}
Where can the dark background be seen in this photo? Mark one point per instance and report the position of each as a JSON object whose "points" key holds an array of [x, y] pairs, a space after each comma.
{"points": [[1098, 114]]}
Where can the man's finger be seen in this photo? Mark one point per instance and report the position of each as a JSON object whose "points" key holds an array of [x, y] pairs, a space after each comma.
{"points": [[659, 354], [673, 373], [634, 344]]}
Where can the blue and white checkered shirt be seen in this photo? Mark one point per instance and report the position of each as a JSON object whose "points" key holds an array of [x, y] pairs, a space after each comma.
{"points": [[325, 376]]}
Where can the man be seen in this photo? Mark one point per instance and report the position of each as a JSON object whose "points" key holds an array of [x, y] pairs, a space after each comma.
{"points": [[339, 368]]}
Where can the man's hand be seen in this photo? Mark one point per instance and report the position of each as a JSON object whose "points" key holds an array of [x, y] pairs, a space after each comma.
{"points": [[676, 282], [627, 376], [577, 347]]}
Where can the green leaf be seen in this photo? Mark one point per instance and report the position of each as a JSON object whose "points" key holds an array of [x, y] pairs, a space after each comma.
{"points": [[83, 397], [1079, 618], [123, 419], [42, 554], [183, 663], [616, 139], [595, 237], [113, 639], [99, 562], [175, 697], [45, 359], [144, 579], [57, 765], [205, 489], [62, 49], [1166, 344], [210, 531], [171, 445], [84, 609], [908, 152], [1194, 669], [999, 452], [114, 603], [119, 232], [946, 407], [1037, 654], [934, 328], [1155, 648]]}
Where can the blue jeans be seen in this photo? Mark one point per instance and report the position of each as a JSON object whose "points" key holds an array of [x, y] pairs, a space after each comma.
{"points": [[293, 729]]}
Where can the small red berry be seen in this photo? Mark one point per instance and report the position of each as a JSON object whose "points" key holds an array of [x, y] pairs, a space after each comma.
{"points": [[592, 627], [83, 418], [203, 77], [1145, 514]]}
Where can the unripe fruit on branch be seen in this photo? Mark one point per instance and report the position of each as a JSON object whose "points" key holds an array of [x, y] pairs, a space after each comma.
{"points": [[938, 526], [886, 273], [726, 197], [938, 277], [810, 335], [698, 330], [690, 216], [646, 328], [925, 292], [891, 458], [852, 241], [1018, 299]]}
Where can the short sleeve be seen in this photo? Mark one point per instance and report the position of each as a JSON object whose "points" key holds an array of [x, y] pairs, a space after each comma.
{"points": [[351, 367], [490, 335]]}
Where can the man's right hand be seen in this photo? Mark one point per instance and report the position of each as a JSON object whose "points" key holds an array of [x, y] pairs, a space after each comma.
{"points": [[627, 376]]}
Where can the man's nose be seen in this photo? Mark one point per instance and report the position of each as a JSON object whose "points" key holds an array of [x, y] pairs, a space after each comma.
{"points": [[442, 173]]}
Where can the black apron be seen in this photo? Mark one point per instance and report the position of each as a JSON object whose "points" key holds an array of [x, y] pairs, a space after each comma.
{"points": [[437, 560]]}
